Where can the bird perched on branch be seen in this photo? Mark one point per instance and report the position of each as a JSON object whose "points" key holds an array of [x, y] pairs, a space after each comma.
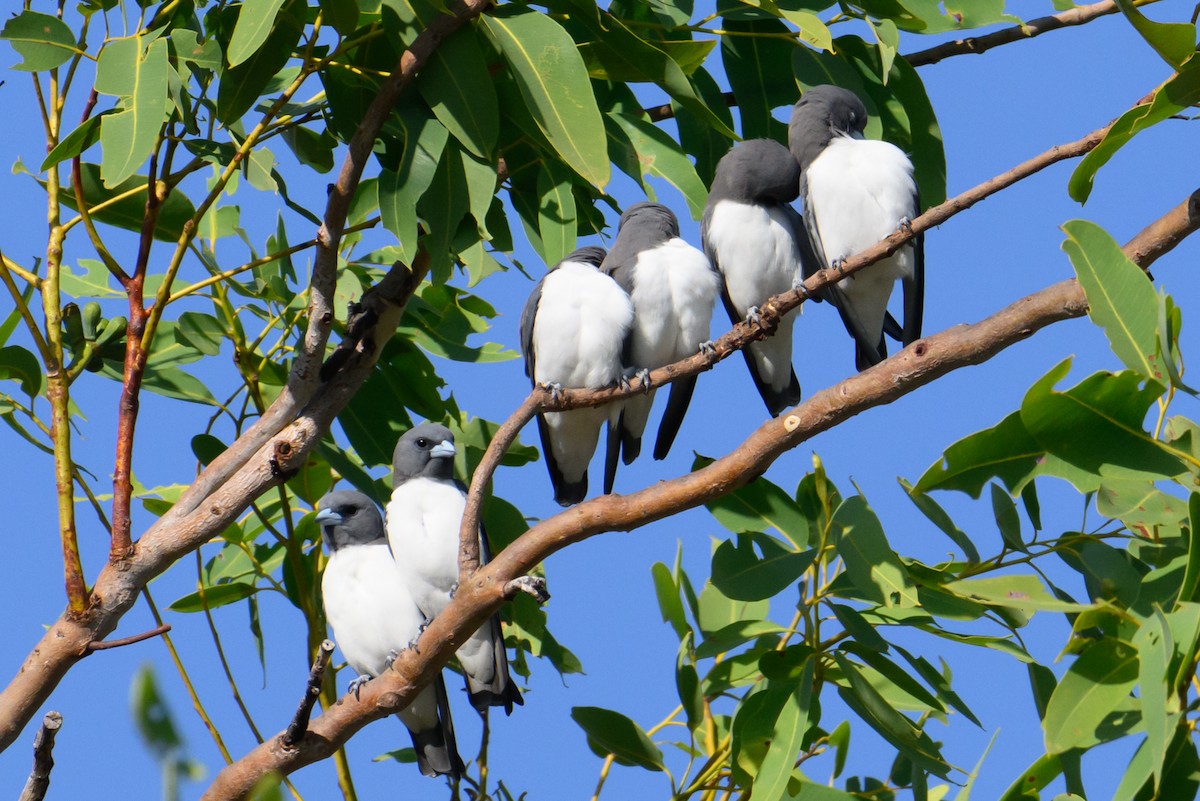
{"points": [[755, 239], [374, 617], [855, 192], [424, 516], [673, 288], [573, 329]]}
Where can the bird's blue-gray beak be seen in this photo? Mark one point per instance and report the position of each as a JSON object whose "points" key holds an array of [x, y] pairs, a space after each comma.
{"points": [[328, 517], [443, 450]]}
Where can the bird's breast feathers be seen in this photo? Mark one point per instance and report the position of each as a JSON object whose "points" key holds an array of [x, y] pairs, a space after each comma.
{"points": [[582, 319], [423, 521], [674, 289], [756, 249]]}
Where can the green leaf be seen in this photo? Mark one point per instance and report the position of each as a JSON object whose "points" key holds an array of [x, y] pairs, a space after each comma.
{"points": [[759, 506], [1007, 519], [742, 574], [43, 41], [399, 190], [1154, 648], [1006, 451], [735, 634], [669, 603], [1024, 592], [76, 142], [610, 732], [771, 781], [697, 137], [658, 155], [1174, 41], [1097, 425], [1034, 779], [715, 610], [442, 207], [1173, 97], [1120, 298], [21, 366], [1092, 687], [254, 23], [152, 715], [139, 77], [758, 68], [457, 86], [556, 212], [130, 210], [871, 564], [1189, 590], [341, 14], [553, 81], [938, 516], [241, 85], [214, 596]]}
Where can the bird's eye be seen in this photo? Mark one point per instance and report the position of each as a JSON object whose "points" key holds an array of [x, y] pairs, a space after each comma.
{"points": [[351, 511], [422, 442]]}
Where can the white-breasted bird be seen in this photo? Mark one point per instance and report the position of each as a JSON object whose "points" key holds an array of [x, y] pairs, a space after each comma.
{"points": [[673, 289], [573, 329], [855, 192], [756, 240], [423, 520], [374, 617]]}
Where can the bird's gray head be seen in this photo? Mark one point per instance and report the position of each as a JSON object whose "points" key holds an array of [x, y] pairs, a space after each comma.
{"points": [[347, 517], [589, 254], [424, 451], [822, 113], [654, 219], [757, 170]]}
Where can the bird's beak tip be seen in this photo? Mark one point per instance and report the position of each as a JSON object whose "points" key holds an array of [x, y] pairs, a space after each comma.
{"points": [[328, 517], [444, 449]]}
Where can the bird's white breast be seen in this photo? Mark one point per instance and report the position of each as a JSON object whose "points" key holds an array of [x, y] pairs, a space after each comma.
{"points": [[756, 250], [582, 319], [674, 289], [368, 606], [423, 519]]}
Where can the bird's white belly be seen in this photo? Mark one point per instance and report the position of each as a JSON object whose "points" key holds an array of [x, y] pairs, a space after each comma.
{"points": [[582, 319], [756, 251], [423, 520]]}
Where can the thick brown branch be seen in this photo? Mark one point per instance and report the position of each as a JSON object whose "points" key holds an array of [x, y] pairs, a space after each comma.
{"points": [[917, 365], [299, 725], [105, 645], [43, 758], [742, 333]]}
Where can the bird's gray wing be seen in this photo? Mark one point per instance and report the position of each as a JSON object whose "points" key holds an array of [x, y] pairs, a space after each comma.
{"points": [[776, 401], [810, 262], [500, 690], [528, 316]]}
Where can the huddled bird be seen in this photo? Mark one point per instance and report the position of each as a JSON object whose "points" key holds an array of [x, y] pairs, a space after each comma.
{"points": [[423, 520], [756, 240], [374, 617], [856, 191], [673, 289], [573, 329]]}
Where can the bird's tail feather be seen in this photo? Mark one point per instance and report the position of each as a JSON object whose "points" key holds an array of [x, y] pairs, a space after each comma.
{"points": [[501, 690], [437, 748]]}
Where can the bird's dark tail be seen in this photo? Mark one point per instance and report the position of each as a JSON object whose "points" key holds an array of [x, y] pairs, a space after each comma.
{"points": [[612, 454], [437, 748], [864, 358], [501, 690], [566, 493], [677, 406]]}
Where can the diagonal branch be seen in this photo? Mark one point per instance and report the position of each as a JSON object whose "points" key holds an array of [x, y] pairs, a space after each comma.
{"points": [[914, 367], [43, 758], [278, 443], [742, 333]]}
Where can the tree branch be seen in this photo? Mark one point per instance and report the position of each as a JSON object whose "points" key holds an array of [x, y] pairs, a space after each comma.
{"points": [[279, 441], [43, 758], [105, 645], [920, 363], [299, 725]]}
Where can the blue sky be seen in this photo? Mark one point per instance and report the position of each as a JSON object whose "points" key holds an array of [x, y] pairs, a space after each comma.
{"points": [[995, 110]]}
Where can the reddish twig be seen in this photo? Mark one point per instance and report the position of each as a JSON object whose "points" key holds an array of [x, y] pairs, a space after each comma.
{"points": [[43, 758], [105, 645]]}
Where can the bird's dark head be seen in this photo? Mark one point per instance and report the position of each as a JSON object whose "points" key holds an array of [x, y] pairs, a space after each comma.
{"points": [[425, 451], [589, 254], [651, 218], [822, 113], [348, 517], [757, 170]]}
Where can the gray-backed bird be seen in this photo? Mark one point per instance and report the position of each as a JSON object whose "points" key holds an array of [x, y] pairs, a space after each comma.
{"points": [[573, 330], [855, 192], [756, 240], [673, 289], [374, 617], [423, 520]]}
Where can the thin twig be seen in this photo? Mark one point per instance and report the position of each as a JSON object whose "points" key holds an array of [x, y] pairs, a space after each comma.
{"points": [[105, 645], [299, 725], [43, 758]]}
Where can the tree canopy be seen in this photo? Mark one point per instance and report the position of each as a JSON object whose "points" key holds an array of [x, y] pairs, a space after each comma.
{"points": [[281, 232]]}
